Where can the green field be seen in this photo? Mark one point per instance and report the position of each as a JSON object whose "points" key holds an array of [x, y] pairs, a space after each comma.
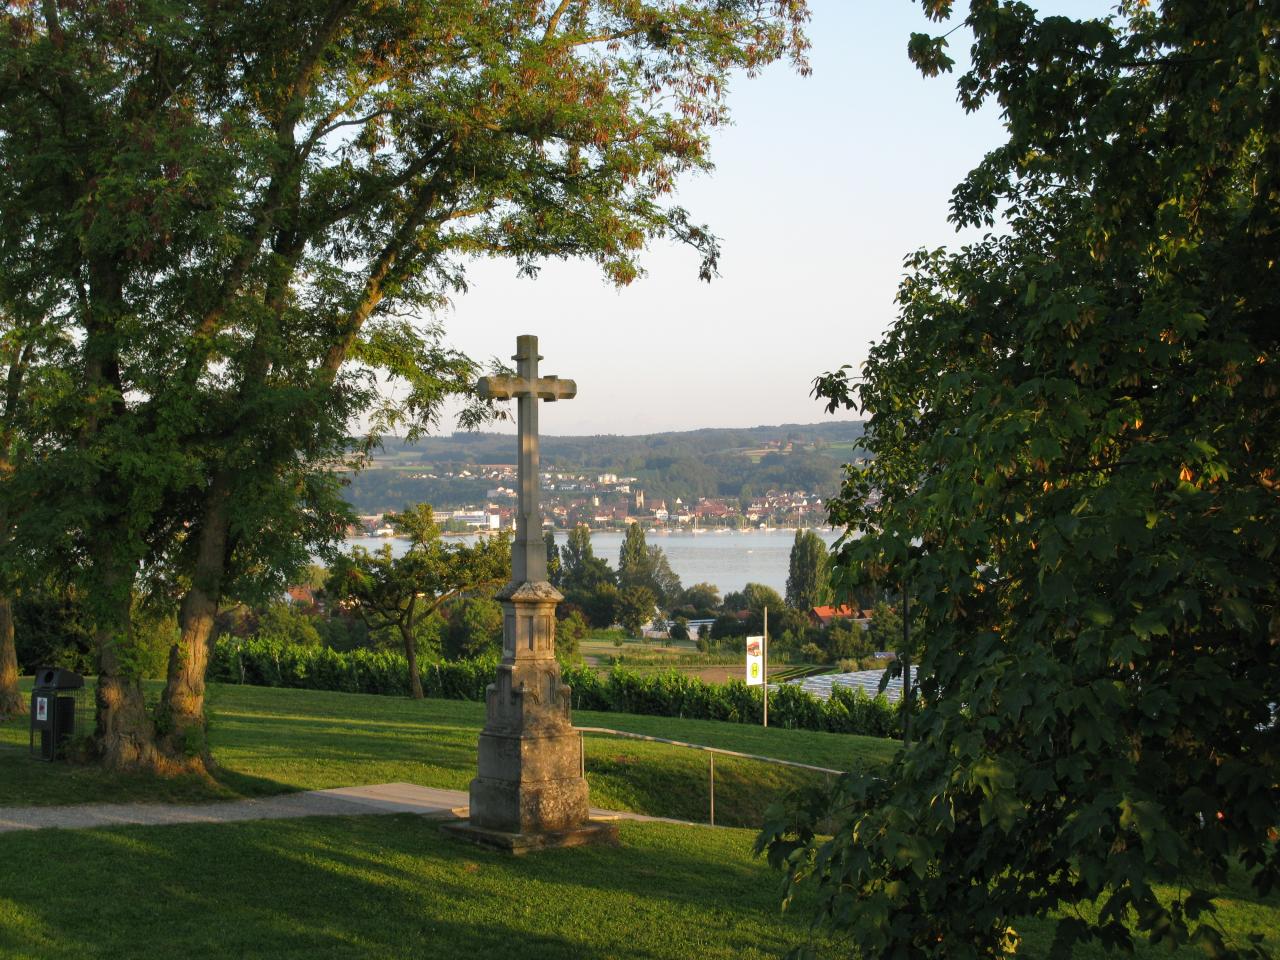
{"points": [[399, 887]]}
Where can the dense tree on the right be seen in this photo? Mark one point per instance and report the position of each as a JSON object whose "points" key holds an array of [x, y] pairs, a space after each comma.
{"points": [[1075, 423]]}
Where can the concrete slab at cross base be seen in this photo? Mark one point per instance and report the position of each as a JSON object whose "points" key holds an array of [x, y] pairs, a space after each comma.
{"points": [[592, 832]]}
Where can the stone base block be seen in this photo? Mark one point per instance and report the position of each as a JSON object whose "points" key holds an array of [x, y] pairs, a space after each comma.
{"points": [[529, 806], [591, 832]]}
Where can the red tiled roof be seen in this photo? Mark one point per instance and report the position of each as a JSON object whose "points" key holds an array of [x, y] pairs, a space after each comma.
{"points": [[825, 615]]}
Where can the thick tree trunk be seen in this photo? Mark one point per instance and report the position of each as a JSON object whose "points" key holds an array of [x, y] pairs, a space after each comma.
{"points": [[181, 718], [411, 654], [11, 702], [125, 735]]}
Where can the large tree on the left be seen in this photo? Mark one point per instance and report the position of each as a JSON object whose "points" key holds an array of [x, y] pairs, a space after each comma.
{"points": [[236, 212]]}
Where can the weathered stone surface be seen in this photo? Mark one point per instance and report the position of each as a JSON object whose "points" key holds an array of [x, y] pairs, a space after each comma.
{"points": [[530, 757], [531, 592], [524, 806]]}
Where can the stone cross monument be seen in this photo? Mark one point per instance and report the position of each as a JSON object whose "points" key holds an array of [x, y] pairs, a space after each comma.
{"points": [[529, 792]]}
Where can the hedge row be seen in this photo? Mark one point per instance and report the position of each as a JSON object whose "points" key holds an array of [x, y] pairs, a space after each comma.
{"points": [[268, 663], [666, 694]]}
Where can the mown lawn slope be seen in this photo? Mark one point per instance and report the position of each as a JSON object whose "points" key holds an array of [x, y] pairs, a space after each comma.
{"points": [[269, 740]]}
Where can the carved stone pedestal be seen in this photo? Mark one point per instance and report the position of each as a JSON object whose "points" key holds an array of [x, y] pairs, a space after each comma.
{"points": [[530, 793]]}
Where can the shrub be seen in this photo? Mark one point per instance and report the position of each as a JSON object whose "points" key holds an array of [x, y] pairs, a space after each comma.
{"points": [[664, 694]]}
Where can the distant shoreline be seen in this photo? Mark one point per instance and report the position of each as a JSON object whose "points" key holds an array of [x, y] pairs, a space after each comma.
{"points": [[655, 531]]}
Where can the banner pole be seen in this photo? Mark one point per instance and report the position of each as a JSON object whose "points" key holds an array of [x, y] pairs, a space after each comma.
{"points": [[766, 666]]}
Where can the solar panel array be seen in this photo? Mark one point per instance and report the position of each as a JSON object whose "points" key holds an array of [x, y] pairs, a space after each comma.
{"points": [[866, 680]]}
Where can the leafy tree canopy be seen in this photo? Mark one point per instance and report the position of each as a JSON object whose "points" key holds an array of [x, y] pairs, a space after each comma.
{"points": [[397, 592], [237, 216], [634, 565], [703, 599], [636, 607], [807, 573], [1074, 423]]}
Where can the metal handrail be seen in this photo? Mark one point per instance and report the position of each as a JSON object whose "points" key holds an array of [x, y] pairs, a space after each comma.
{"points": [[582, 754]]}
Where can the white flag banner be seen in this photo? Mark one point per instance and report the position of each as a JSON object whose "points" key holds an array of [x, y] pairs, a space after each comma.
{"points": [[755, 661]]}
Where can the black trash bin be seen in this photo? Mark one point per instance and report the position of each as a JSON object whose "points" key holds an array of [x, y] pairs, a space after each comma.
{"points": [[57, 711]]}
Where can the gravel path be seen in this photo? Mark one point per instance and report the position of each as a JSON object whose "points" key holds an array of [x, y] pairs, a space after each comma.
{"points": [[383, 798]]}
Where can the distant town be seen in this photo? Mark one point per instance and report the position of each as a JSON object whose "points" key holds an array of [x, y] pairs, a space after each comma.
{"points": [[606, 501], [723, 479]]}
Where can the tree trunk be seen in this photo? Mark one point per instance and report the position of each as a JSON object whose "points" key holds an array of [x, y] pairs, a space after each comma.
{"points": [[411, 654], [181, 718], [11, 702], [125, 735]]}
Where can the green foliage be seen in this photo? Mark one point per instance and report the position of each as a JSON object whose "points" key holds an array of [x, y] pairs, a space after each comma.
{"points": [[389, 591], [807, 572], [726, 625], [755, 598], [587, 581], [570, 632], [154, 633], [50, 628], [315, 576], [701, 600], [553, 558], [845, 640], [284, 624], [636, 605], [643, 566], [633, 559], [885, 630], [274, 664], [663, 581], [1074, 424], [342, 631], [475, 628], [601, 604]]}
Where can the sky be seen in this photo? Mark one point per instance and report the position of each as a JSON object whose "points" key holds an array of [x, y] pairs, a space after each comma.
{"points": [[822, 185]]}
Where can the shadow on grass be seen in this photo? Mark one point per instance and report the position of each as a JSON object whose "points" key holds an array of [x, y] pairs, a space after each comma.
{"points": [[387, 886], [237, 784]]}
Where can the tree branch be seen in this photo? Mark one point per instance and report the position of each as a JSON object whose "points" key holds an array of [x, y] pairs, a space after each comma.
{"points": [[554, 22]]}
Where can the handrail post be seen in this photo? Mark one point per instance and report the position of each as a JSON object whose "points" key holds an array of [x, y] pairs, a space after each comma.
{"points": [[713, 788]]}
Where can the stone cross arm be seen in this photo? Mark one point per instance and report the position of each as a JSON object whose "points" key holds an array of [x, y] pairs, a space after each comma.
{"points": [[529, 553], [547, 388]]}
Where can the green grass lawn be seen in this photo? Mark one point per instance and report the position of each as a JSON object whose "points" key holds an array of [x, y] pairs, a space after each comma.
{"points": [[397, 886], [269, 740], [384, 887]]}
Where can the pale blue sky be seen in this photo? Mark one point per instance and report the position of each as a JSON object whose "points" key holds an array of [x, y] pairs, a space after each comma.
{"points": [[821, 187]]}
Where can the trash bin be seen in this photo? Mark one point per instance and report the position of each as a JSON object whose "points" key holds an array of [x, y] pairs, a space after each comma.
{"points": [[57, 711]]}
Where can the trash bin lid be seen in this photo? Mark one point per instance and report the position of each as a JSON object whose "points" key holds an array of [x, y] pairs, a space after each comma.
{"points": [[55, 678]]}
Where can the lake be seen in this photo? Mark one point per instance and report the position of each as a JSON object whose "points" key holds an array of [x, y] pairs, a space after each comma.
{"points": [[730, 560]]}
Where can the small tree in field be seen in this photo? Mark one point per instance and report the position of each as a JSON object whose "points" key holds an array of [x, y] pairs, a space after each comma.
{"points": [[635, 608], [398, 592], [807, 572]]}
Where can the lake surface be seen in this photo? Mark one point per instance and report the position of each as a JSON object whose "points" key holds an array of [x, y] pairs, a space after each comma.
{"points": [[730, 560]]}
